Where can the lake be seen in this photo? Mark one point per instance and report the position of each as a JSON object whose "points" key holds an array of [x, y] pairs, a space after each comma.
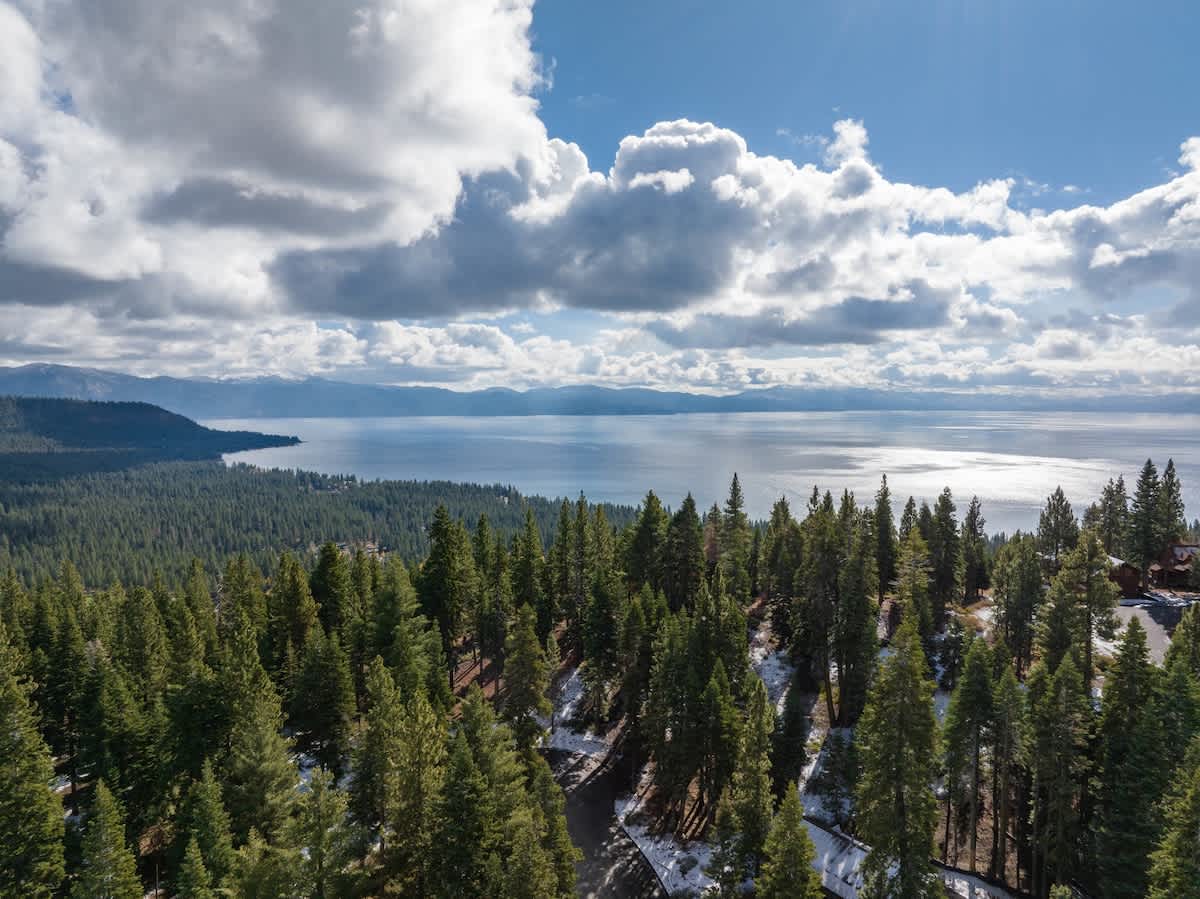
{"points": [[1011, 460]]}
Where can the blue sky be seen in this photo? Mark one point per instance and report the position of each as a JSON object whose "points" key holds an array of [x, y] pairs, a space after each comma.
{"points": [[999, 196], [1096, 94]]}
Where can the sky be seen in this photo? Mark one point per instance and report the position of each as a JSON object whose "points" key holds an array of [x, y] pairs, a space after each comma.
{"points": [[941, 194]]}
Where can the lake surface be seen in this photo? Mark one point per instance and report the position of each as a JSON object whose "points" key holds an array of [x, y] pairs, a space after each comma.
{"points": [[1011, 460]]}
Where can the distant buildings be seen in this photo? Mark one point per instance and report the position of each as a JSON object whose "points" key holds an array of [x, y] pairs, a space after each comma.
{"points": [[1174, 566]]}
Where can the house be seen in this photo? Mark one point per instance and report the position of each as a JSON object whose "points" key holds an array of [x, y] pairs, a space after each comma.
{"points": [[1174, 566], [1127, 577]]}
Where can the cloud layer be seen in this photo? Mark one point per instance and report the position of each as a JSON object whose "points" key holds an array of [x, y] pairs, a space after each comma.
{"points": [[365, 188]]}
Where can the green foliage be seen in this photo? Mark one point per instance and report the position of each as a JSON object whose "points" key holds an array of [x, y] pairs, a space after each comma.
{"points": [[1058, 531], [31, 819], [887, 549], [1175, 863], [969, 722], [203, 822], [527, 678], [752, 782], [897, 739], [108, 870], [193, 880], [787, 870]]}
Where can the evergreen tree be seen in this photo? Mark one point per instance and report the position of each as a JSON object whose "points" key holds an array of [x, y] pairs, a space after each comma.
{"points": [[447, 580], [373, 789], [333, 587], [787, 871], [260, 777], [323, 702], [294, 614], [945, 558], [319, 834], [855, 630], [1018, 596], [1083, 601], [897, 736], [420, 775], [974, 549], [1131, 763], [31, 817], [727, 864], [646, 557], [1172, 521], [1175, 864], [527, 678], [1060, 726], [1058, 531], [788, 743], [202, 821], [527, 576], [752, 782], [1145, 520], [602, 642], [683, 556], [530, 873], [193, 880], [468, 829], [908, 520], [720, 736], [108, 869], [1010, 755], [735, 540], [968, 728], [912, 583], [563, 855], [781, 557], [887, 549]]}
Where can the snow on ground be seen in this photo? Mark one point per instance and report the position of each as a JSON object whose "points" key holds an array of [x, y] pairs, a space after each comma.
{"points": [[941, 704], [568, 700], [679, 865], [970, 887], [771, 665]]}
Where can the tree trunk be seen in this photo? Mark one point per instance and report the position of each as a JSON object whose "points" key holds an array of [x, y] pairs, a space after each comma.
{"points": [[974, 800]]}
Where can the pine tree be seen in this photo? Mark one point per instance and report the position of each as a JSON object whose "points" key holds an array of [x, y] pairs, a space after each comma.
{"points": [[1172, 520], [1145, 520], [735, 539], [203, 821], [974, 548], [855, 629], [646, 556], [887, 549], [530, 872], [108, 869], [1175, 864], [1010, 755], [969, 722], [260, 777], [788, 743], [373, 789], [193, 880], [897, 737], [527, 575], [332, 587], [945, 558], [420, 774], [752, 782], [601, 642], [1018, 596], [787, 871], [1131, 775], [912, 582], [727, 865], [1083, 601], [447, 580], [319, 834], [467, 832], [1058, 531], [294, 612], [556, 840], [527, 679], [322, 706], [908, 520], [720, 736], [31, 817], [1060, 726]]}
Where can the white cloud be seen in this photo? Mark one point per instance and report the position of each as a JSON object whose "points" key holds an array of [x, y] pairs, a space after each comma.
{"points": [[235, 171]]}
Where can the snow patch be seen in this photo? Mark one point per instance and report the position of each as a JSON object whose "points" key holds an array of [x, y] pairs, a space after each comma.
{"points": [[568, 700], [771, 665], [680, 866]]}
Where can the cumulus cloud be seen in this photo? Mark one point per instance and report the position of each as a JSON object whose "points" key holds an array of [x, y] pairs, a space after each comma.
{"points": [[337, 185]]}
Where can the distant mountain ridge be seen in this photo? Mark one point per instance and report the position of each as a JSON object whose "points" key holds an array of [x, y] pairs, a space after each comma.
{"points": [[323, 398]]}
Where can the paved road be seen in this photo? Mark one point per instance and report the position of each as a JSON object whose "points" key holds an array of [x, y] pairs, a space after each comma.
{"points": [[612, 866]]}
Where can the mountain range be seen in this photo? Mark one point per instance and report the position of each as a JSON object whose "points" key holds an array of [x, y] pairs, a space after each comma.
{"points": [[322, 398]]}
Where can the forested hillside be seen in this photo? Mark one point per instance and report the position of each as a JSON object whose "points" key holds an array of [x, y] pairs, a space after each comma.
{"points": [[345, 726], [127, 525], [43, 438]]}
